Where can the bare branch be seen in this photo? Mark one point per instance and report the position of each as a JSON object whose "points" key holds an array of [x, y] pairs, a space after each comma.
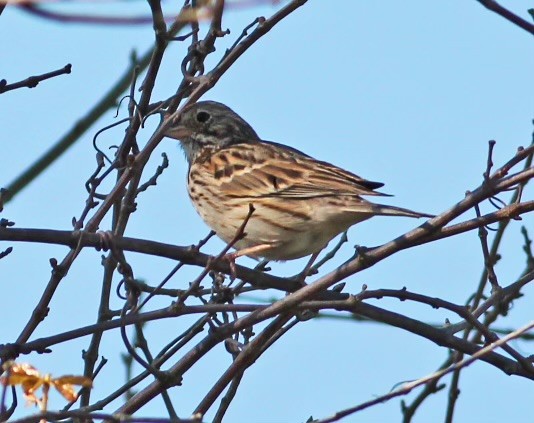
{"points": [[408, 387], [508, 15], [33, 81]]}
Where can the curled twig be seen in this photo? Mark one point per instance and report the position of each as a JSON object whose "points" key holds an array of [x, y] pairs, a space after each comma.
{"points": [[154, 178]]}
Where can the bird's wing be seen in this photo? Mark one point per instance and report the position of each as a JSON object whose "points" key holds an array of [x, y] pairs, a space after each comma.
{"points": [[260, 169]]}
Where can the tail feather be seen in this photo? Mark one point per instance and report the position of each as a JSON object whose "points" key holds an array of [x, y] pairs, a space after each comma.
{"points": [[384, 210]]}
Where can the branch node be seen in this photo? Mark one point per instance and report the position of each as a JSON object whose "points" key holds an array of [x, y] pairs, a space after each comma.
{"points": [[5, 223]]}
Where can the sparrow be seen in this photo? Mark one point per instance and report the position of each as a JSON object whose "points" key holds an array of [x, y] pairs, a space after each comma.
{"points": [[299, 203]]}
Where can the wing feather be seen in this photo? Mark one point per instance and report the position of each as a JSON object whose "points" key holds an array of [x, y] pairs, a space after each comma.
{"points": [[261, 169]]}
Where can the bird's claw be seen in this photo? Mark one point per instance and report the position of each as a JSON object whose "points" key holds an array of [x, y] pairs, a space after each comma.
{"points": [[230, 257]]}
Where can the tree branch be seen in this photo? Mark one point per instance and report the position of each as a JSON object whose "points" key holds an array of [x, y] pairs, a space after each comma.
{"points": [[33, 81]]}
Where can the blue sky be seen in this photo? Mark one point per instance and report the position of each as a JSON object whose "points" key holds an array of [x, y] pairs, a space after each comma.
{"points": [[407, 93]]}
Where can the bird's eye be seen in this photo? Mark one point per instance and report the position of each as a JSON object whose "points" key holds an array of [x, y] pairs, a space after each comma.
{"points": [[203, 117]]}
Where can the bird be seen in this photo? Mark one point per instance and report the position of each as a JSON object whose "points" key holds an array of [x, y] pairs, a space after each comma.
{"points": [[292, 203]]}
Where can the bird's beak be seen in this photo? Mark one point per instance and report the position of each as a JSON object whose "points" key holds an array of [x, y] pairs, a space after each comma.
{"points": [[177, 130]]}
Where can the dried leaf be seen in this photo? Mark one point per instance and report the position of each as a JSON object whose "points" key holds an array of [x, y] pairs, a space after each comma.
{"points": [[30, 380]]}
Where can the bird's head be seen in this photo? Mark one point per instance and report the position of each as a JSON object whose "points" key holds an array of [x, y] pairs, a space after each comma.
{"points": [[209, 124]]}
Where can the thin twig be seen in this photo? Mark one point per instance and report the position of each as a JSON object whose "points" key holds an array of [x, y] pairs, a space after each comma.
{"points": [[408, 387], [507, 14], [245, 359], [33, 81]]}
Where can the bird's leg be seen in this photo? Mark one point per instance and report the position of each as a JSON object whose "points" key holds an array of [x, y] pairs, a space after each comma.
{"points": [[250, 251]]}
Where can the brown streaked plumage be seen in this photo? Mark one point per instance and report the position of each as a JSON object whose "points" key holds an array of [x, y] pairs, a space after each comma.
{"points": [[300, 203]]}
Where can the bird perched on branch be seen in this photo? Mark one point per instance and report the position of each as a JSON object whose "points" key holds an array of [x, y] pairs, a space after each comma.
{"points": [[299, 203]]}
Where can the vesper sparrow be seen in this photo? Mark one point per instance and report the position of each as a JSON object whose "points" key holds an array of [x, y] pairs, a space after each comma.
{"points": [[300, 203]]}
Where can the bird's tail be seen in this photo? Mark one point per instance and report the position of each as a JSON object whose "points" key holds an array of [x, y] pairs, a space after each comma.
{"points": [[384, 210]]}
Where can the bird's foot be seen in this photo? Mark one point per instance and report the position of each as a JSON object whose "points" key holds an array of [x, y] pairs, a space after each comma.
{"points": [[230, 257]]}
